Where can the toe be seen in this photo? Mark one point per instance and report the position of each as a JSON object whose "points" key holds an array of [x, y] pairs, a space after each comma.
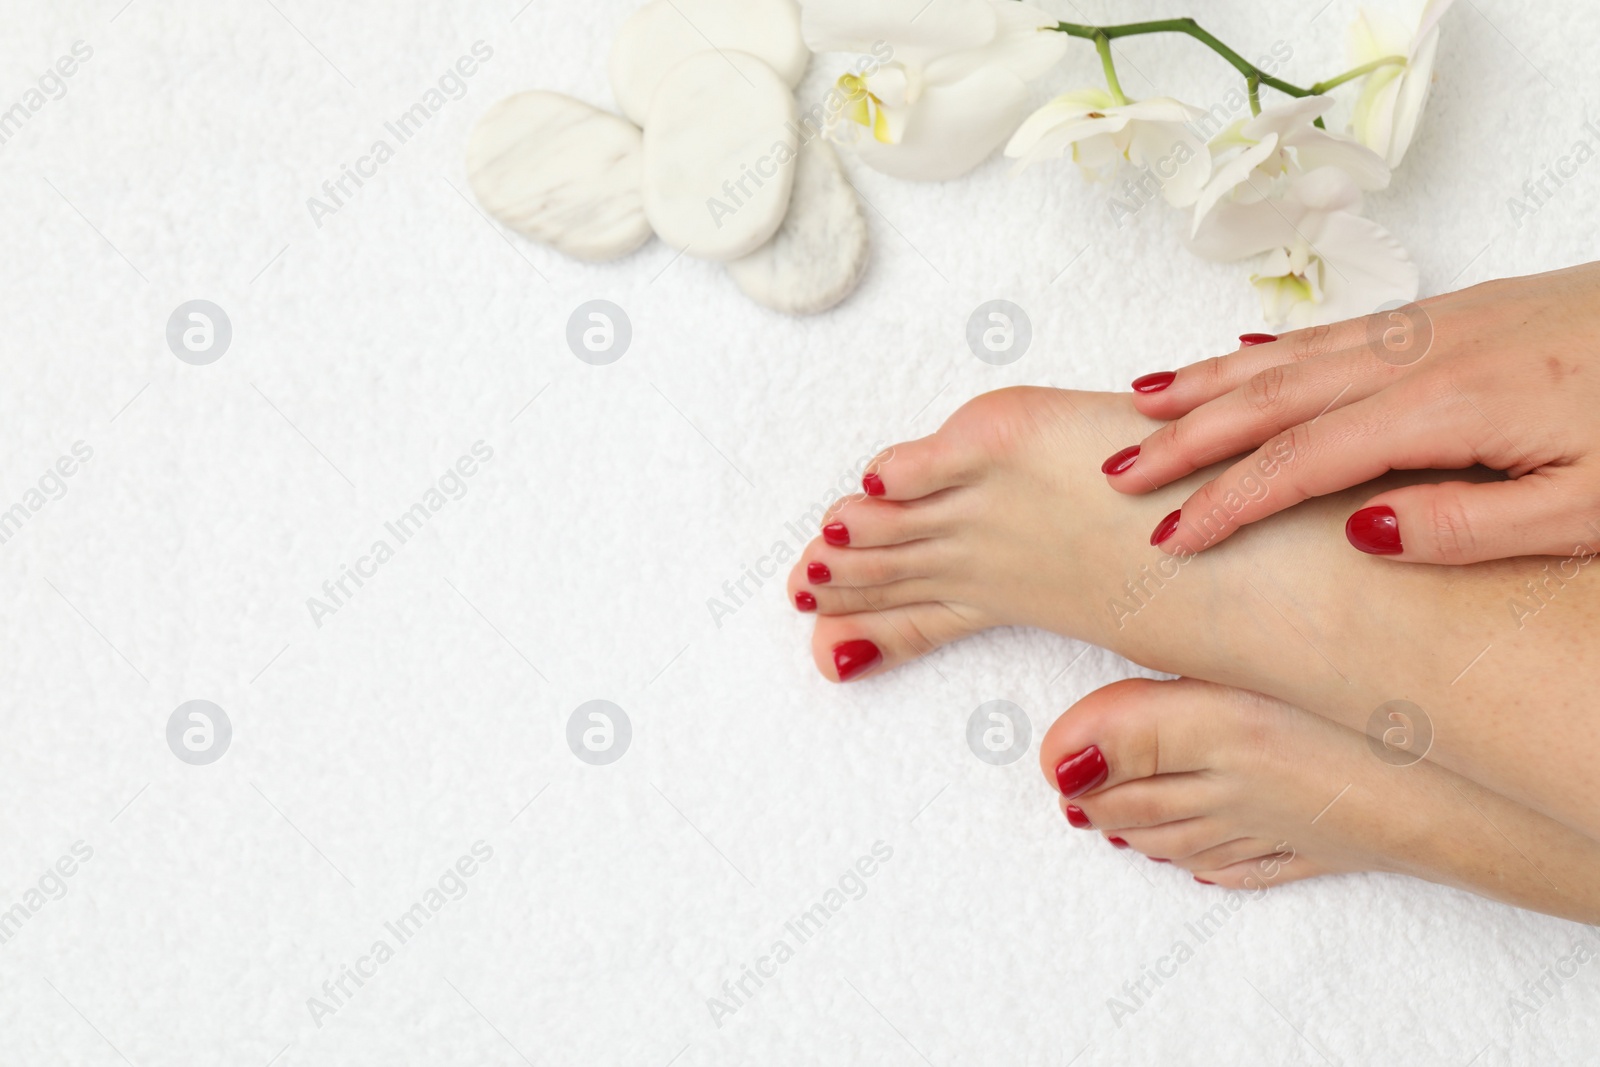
{"points": [[848, 647], [1146, 802], [1175, 842], [1137, 728], [823, 564], [916, 469], [835, 599], [862, 522], [1239, 850], [1261, 873]]}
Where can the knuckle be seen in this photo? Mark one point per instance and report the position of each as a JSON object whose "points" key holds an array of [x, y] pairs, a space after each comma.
{"points": [[1453, 535], [1264, 393], [1312, 343]]}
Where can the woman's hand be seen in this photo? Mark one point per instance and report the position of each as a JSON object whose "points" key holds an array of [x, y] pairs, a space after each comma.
{"points": [[1505, 374]]}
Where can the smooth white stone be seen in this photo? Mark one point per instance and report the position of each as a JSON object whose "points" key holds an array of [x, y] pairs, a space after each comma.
{"points": [[561, 172], [820, 252], [664, 33], [719, 148]]}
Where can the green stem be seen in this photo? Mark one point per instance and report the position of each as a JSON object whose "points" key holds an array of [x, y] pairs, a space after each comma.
{"points": [[1102, 44], [1254, 76], [1357, 72]]}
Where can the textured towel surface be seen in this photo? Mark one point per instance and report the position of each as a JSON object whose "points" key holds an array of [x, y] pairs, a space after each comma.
{"points": [[400, 774]]}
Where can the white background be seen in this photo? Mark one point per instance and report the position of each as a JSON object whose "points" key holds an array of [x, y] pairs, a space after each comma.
{"points": [[370, 753]]}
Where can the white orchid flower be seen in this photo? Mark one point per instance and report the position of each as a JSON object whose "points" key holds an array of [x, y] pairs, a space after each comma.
{"points": [[955, 87], [1392, 97], [1252, 159], [1103, 134], [1313, 259]]}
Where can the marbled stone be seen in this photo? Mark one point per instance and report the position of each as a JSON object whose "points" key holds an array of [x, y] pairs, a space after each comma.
{"points": [[561, 172], [719, 148], [819, 254], [664, 33]]}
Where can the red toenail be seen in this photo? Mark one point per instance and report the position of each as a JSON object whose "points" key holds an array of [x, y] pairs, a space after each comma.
{"points": [[818, 573], [1154, 383], [1166, 527], [1119, 842], [1120, 462], [1081, 772], [1154, 860], [1078, 817], [855, 657], [872, 484], [1202, 881], [1250, 340], [1375, 531], [805, 601], [836, 534]]}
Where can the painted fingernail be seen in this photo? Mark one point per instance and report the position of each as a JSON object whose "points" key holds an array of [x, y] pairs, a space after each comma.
{"points": [[1078, 817], [1119, 842], [1120, 462], [1081, 772], [1154, 383], [817, 573], [805, 601], [835, 534], [1165, 528], [1202, 881], [855, 657], [872, 484], [1250, 340], [1375, 531]]}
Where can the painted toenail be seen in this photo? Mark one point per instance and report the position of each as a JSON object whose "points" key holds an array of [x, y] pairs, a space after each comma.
{"points": [[1154, 383], [1078, 817], [872, 485], [1250, 340], [805, 601], [1202, 881], [855, 657], [1166, 527], [1155, 860], [1120, 462], [818, 573], [836, 534], [1119, 842], [1081, 772], [1375, 531]]}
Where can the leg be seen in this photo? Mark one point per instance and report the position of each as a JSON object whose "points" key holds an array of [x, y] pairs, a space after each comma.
{"points": [[1003, 518]]}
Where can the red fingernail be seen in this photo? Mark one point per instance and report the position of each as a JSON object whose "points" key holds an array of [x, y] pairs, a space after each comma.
{"points": [[1250, 340], [855, 657], [1375, 531], [872, 484], [1165, 528], [1081, 772], [1078, 817], [1119, 842], [818, 573], [805, 601], [1154, 383], [1202, 881], [835, 534], [1121, 461]]}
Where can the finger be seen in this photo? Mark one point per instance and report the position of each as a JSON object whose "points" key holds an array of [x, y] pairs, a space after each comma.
{"points": [[1171, 394], [1391, 431], [1539, 514], [1268, 402]]}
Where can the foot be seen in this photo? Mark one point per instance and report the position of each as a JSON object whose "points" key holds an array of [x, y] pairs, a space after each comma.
{"points": [[1246, 792], [988, 522]]}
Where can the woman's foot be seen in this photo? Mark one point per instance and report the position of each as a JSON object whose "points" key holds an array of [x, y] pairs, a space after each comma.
{"points": [[988, 522], [1247, 792]]}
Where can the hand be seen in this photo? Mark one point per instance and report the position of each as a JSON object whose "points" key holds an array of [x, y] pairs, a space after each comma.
{"points": [[1505, 374]]}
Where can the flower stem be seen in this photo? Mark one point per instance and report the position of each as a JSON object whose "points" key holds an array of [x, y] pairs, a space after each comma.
{"points": [[1102, 44], [1255, 77]]}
